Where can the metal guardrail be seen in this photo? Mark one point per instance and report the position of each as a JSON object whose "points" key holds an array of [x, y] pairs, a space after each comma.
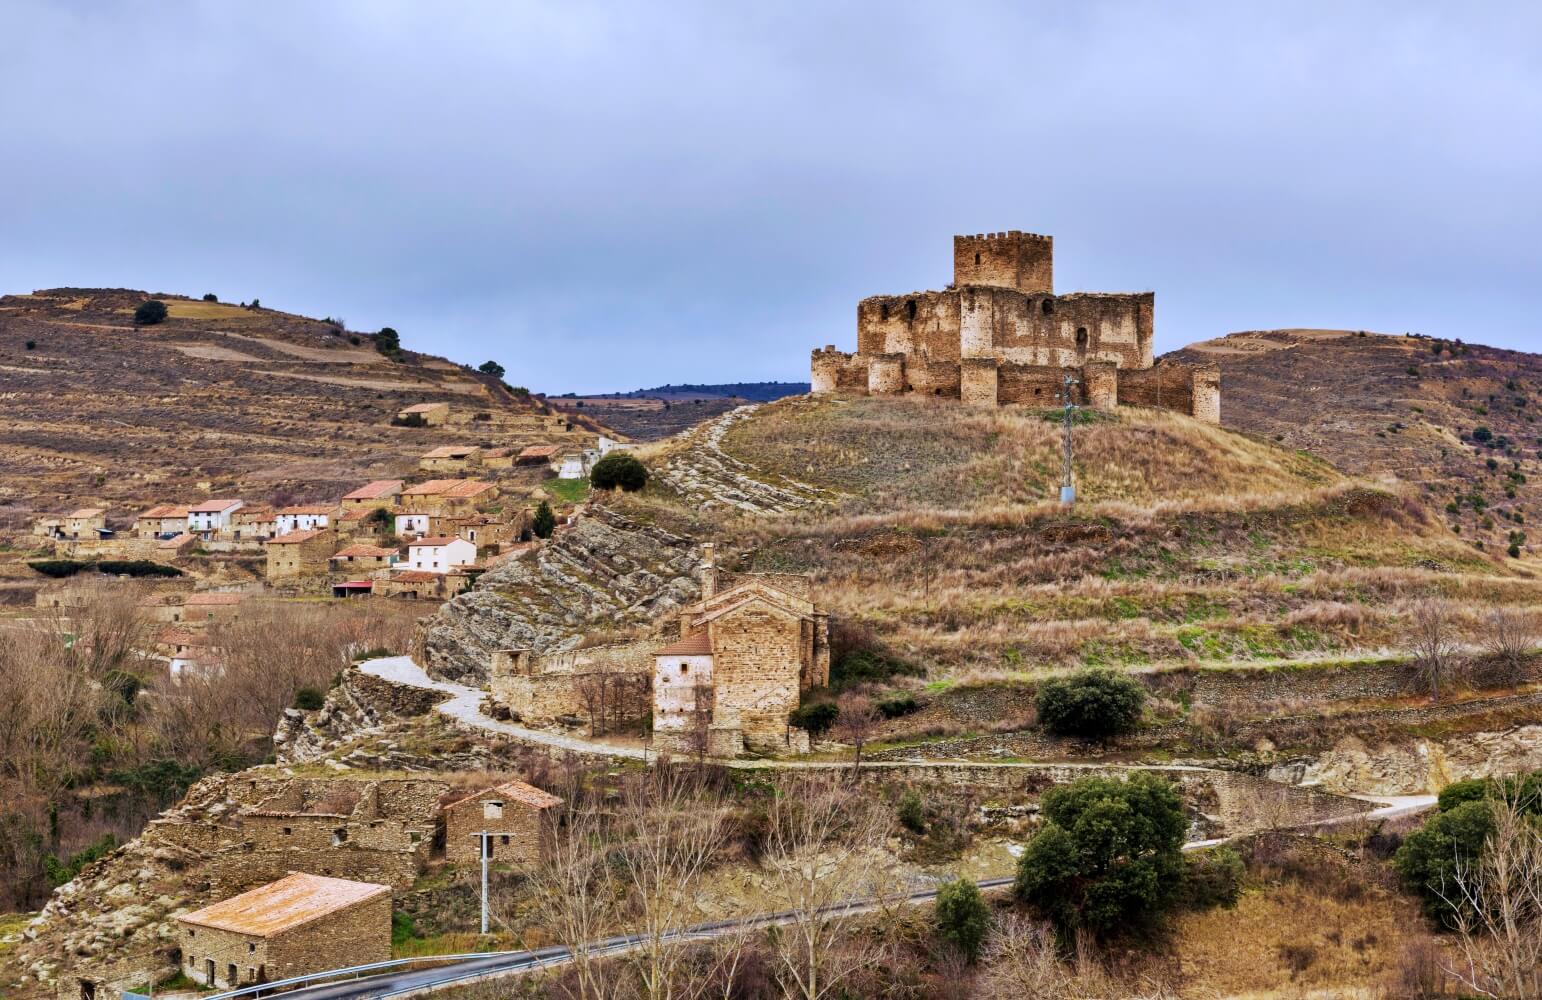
{"points": [[356, 972]]}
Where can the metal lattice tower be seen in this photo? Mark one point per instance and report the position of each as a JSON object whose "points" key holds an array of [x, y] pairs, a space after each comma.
{"points": [[1067, 481]]}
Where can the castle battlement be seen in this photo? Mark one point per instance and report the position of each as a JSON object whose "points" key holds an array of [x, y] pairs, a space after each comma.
{"points": [[1000, 334]]}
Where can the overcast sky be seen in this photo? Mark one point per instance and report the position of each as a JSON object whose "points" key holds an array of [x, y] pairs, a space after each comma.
{"points": [[610, 196]]}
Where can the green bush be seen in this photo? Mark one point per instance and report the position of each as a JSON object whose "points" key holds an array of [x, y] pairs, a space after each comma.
{"points": [[388, 342], [403, 928], [210, 297], [1212, 878], [544, 522], [1458, 792], [1093, 704], [150, 312], [896, 705], [911, 813], [61, 871], [136, 567], [619, 469], [58, 568], [867, 666], [1482, 434], [816, 717], [1430, 858], [1110, 853], [308, 699], [961, 917], [492, 368]]}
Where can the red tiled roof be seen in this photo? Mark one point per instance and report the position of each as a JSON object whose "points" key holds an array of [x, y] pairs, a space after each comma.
{"points": [[432, 487], [539, 451], [518, 791], [175, 541], [212, 506], [165, 510], [464, 488], [355, 585], [375, 490], [451, 451], [434, 540], [699, 644], [296, 899], [361, 550], [415, 576], [295, 537]]}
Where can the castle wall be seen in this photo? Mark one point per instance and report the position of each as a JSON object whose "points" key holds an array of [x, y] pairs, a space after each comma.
{"points": [[886, 374], [1163, 387], [977, 381], [1035, 385], [1100, 380], [1022, 261], [921, 324]]}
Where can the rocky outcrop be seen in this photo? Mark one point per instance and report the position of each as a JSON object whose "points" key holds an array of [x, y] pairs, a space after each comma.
{"points": [[706, 475], [361, 703], [603, 572], [1414, 767]]}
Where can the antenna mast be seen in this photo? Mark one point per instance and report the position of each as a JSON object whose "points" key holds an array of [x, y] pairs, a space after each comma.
{"points": [[1067, 482]]}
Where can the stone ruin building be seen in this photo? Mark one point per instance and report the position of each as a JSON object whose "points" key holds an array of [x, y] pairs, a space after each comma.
{"points": [[747, 650], [1000, 335]]}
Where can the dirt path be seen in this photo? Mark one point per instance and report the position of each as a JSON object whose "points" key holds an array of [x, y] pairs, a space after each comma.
{"points": [[706, 474]]}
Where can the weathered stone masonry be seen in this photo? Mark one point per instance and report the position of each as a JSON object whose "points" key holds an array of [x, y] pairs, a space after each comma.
{"points": [[999, 335]]}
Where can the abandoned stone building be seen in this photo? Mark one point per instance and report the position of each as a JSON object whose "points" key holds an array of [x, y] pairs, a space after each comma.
{"points": [[515, 818], [604, 686], [300, 924], [747, 651], [1000, 335]]}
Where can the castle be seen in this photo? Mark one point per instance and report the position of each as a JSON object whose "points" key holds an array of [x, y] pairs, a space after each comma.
{"points": [[1000, 335]]}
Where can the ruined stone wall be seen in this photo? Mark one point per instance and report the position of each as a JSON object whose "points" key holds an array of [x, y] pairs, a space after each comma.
{"points": [[1023, 261], [358, 935], [920, 325], [202, 946], [1032, 385], [517, 837], [932, 378], [1164, 387], [977, 381], [886, 374], [756, 670]]}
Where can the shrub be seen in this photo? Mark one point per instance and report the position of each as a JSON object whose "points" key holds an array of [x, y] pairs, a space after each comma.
{"points": [[60, 872], [910, 811], [896, 705], [544, 522], [1454, 794], [816, 717], [150, 312], [1482, 434], [210, 297], [1212, 878], [308, 699], [1094, 704], [1430, 858], [1110, 853], [619, 469], [961, 916], [492, 368], [388, 342]]}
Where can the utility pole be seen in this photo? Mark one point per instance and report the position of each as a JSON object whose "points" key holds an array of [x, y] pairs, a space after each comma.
{"points": [[1067, 483], [482, 843]]}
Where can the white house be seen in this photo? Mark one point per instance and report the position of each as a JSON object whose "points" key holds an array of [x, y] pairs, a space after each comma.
{"points": [[211, 515], [411, 524], [682, 674], [571, 467], [437, 554], [304, 518]]}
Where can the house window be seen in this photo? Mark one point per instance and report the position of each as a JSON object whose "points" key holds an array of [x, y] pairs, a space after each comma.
{"points": [[883, 311], [340, 836], [191, 932], [251, 947], [505, 839], [684, 669], [492, 810], [288, 831], [413, 837]]}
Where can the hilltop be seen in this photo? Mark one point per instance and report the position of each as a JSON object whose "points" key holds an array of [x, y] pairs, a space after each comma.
{"points": [[218, 399], [664, 410], [1458, 421]]}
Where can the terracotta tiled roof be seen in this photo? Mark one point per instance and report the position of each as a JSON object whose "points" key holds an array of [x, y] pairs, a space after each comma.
{"points": [[175, 541], [451, 451], [212, 506], [314, 508], [88, 512], [375, 490], [212, 598], [364, 551], [464, 488], [255, 512], [699, 644], [293, 900], [416, 576], [539, 451], [433, 540], [516, 790], [296, 537], [433, 487], [498, 453], [163, 511], [182, 637]]}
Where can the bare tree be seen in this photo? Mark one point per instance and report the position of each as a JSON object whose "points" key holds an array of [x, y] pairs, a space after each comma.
{"points": [[1510, 636], [699, 721], [820, 851], [1021, 960], [855, 723], [1498, 902], [1433, 638]]}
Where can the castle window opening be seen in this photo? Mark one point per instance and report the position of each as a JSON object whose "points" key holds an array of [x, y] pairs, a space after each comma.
{"points": [[1081, 336], [910, 309], [977, 256], [883, 311], [1048, 307], [288, 830], [340, 836]]}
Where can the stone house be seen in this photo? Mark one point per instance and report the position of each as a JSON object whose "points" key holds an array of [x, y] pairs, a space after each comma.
{"points": [[211, 516], [87, 522], [450, 458], [421, 585], [489, 533], [424, 414], [300, 554], [176, 545], [760, 641], [209, 607], [298, 925], [162, 521], [516, 817], [380, 493], [439, 553], [361, 557], [254, 523], [304, 517], [447, 497], [498, 458], [573, 465], [366, 522], [415, 525], [536, 454]]}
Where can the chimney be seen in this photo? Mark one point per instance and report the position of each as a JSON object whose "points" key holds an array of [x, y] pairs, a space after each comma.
{"points": [[708, 570]]}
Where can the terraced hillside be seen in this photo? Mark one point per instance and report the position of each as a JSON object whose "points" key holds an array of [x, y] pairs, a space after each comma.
{"points": [[217, 399]]}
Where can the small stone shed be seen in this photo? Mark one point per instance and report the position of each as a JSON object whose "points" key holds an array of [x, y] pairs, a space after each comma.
{"points": [[514, 814], [298, 925]]}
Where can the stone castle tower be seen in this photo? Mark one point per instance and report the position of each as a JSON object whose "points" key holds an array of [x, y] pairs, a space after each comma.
{"points": [[999, 334]]}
